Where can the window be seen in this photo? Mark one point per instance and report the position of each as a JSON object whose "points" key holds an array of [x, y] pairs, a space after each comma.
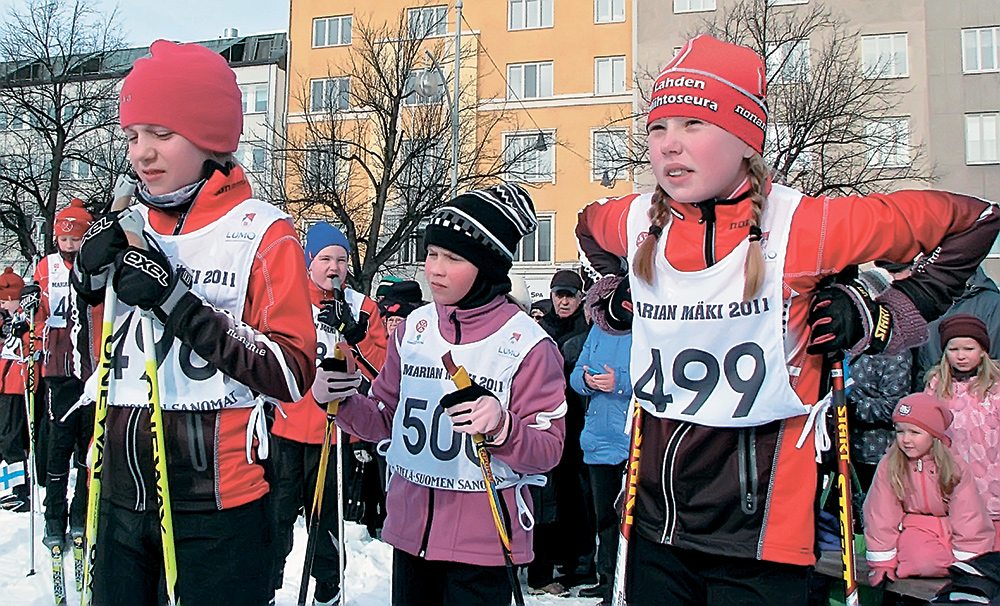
{"points": [[252, 156], [75, 170], [981, 134], [888, 142], [536, 247], [529, 14], [325, 168], [330, 94], [427, 21], [884, 56], [691, 6], [979, 50], [529, 80], [609, 11], [413, 250], [526, 159], [788, 63], [609, 154], [332, 31], [609, 75], [417, 88], [425, 166], [254, 98]]}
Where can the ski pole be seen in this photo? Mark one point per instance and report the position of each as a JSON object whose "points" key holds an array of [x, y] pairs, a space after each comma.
{"points": [[29, 400], [461, 378], [844, 482], [317, 503], [321, 471], [341, 555], [628, 509], [133, 229], [105, 394]]}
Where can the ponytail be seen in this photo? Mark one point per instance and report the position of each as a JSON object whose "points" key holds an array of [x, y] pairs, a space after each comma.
{"points": [[644, 264], [754, 268]]}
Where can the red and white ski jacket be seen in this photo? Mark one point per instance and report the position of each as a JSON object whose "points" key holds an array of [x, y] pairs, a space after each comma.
{"points": [[207, 451], [896, 532], [695, 482], [14, 369], [304, 421], [454, 526]]}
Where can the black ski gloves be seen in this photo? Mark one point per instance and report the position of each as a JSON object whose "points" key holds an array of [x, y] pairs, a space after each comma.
{"points": [[11, 327], [846, 317], [144, 279], [620, 307], [336, 314], [31, 298], [101, 245]]}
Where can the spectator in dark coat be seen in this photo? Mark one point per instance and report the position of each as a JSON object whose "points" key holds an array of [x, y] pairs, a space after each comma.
{"points": [[981, 299]]}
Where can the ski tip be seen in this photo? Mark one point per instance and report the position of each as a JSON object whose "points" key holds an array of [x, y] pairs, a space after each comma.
{"points": [[449, 364]]}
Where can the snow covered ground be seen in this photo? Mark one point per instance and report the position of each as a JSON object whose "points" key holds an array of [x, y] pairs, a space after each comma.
{"points": [[368, 573]]}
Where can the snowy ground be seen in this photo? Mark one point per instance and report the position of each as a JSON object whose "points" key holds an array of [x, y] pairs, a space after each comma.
{"points": [[368, 575]]}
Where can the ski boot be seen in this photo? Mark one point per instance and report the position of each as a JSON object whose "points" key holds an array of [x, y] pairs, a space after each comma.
{"points": [[55, 540]]}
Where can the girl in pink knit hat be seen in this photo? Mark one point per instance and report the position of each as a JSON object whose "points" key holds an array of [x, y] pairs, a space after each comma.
{"points": [[923, 512], [966, 379], [734, 320]]}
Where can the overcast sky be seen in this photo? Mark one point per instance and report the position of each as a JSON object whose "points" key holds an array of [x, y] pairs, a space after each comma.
{"points": [[188, 20]]}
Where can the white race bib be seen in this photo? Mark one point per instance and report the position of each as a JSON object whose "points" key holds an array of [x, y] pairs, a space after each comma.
{"points": [[699, 352]]}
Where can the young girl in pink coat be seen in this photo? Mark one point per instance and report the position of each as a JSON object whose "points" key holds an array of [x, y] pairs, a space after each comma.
{"points": [[966, 379], [923, 512]]}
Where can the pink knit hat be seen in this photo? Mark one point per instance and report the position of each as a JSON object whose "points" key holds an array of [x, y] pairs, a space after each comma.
{"points": [[721, 83], [189, 89], [926, 412]]}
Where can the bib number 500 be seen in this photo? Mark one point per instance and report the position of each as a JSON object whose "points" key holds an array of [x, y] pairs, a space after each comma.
{"points": [[703, 387], [458, 441]]}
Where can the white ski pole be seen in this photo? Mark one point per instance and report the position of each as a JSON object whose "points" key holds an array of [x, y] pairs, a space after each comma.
{"points": [[341, 552]]}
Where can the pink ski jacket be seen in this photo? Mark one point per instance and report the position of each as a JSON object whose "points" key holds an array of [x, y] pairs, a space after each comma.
{"points": [[975, 437], [448, 525], [924, 533]]}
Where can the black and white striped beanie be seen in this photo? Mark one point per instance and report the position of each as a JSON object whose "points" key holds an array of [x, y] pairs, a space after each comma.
{"points": [[484, 226]]}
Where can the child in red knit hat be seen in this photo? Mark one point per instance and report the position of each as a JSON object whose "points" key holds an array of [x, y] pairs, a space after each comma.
{"points": [[732, 323], [223, 276], [966, 379], [923, 511], [63, 430]]}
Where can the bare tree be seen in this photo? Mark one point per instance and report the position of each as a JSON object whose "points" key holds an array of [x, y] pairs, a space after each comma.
{"points": [[832, 126], [371, 151], [60, 62]]}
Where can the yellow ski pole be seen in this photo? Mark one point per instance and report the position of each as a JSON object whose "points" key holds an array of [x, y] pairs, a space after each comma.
{"points": [[461, 378], [105, 394], [133, 230]]}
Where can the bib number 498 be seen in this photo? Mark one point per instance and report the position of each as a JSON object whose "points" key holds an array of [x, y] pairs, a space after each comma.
{"points": [[703, 387]]}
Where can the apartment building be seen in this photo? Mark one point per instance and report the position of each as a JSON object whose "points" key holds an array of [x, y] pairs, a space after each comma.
{"points": [[943, 57], [560, 71]]}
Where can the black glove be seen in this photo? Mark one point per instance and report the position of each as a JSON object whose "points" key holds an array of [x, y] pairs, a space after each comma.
{"points": [[144, 279], [101, 245], [619, 306], [334, 381], [363, 451], [336, 314], [18, 329], [31, 298], [842, 316]]}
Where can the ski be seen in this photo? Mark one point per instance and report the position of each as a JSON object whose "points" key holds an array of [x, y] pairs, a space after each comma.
{"points": [[58, 582], [77, 536]]}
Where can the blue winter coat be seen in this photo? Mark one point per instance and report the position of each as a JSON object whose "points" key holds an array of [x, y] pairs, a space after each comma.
{"points": [[605, 437]]}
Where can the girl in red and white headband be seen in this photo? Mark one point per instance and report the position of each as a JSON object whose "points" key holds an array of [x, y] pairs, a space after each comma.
{"points": [[731, 328]]}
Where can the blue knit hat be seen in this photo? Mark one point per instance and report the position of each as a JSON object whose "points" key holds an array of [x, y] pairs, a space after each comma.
{"points": [[322, 235]]}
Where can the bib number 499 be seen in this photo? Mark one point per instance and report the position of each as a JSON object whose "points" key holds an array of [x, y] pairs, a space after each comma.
{"points": [[703, 387]]}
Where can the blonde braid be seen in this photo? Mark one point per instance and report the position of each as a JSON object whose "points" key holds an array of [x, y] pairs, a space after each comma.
{"points": [[754, 268], [644, 263]]}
